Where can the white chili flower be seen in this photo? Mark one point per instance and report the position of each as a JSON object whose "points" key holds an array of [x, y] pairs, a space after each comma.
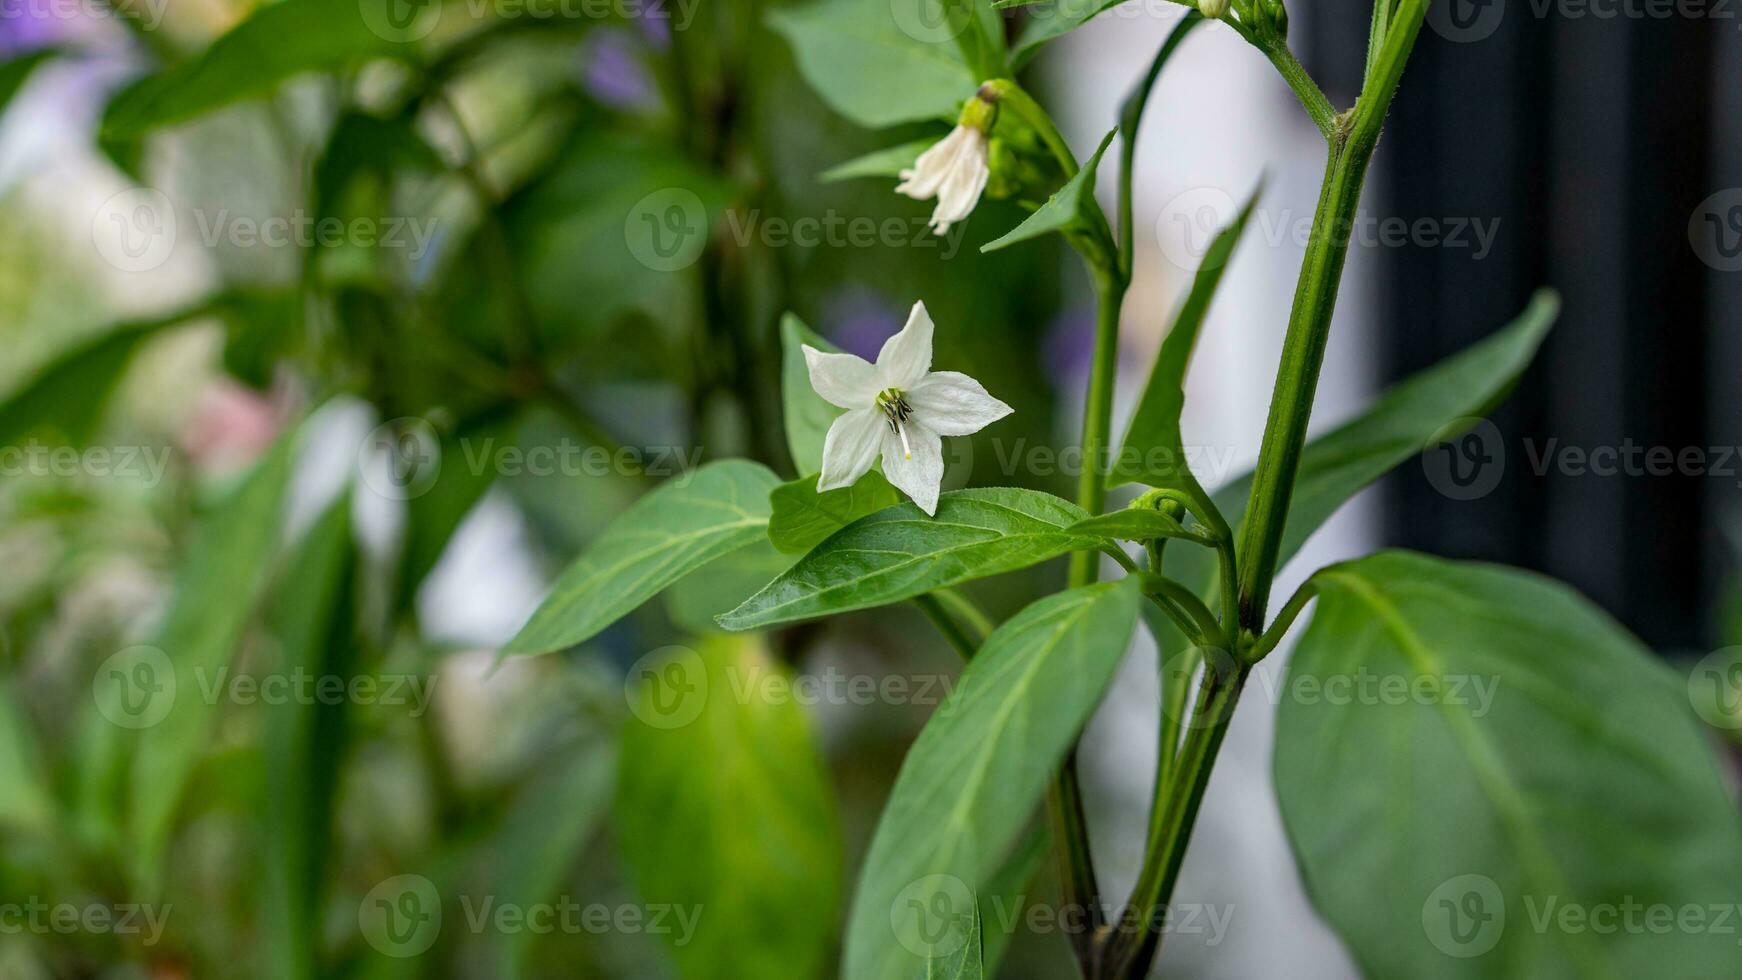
{"points": [[900, 408], [956, 168]]}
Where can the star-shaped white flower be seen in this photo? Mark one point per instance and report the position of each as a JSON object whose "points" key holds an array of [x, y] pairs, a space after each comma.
{"points": [[954, 170], [899, 408]]}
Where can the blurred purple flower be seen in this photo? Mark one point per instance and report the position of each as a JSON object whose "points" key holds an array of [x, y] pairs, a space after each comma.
{"points": [[614, 73], [655, 26], [859, 319], [1069, 348], [26, 31]]}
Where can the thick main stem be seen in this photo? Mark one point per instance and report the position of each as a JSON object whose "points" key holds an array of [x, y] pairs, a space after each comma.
{"points": [[1309, 324], [1352, 138]]}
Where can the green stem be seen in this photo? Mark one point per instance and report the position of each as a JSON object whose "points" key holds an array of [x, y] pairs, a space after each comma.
{"points": [[1285, 618], [1312, 98], [1137, 939], [1199, 623], [951, 630], [1010, 95], [1098, 410], [964, 609], [1303, 348]]}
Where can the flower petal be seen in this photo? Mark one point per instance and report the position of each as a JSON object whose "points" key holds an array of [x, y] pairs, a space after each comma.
{"points": [[843, 380], [927, 174], [906, 357], [851, 447], [920, 475], [953, 404], [962, 187]]}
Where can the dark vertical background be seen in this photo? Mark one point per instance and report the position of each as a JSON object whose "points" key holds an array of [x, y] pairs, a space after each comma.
{"points": [[1594, 141]]}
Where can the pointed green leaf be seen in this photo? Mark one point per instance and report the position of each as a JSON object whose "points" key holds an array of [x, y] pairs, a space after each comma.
{"points": [[880, 64], [1133, 524], [65, 398], [1065, 210], [887, 162], [808, 417], [976, 773], [900, 553], [684, 524], [1055, 19], [217, 588], [804, 518], [275, 43], [1424, 410], [1485, 776], [312, 621], [1154, 450], [725, 812]]}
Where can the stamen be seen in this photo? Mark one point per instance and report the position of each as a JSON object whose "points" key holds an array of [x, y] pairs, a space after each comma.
{"points": [[897, 411]]}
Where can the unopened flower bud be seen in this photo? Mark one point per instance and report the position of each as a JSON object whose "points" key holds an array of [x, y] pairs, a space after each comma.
{"points": [[1213, 9]]}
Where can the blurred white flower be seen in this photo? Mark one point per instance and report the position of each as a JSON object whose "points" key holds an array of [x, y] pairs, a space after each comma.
{"points": [[898, 408]]}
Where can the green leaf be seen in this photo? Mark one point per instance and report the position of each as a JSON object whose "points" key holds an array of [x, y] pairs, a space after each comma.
{"points": [[724, 811], [679, 527], [900, 553], [1154, 450], [804, 518], [880, 64], [976, 772], [1132, 524], [64, 400], [967, 962], [1512, 758], [14, 72], [1009, 889], [696, 601], [1065, 211], [887, 162], [313, 623], [275, 43], [217, 587], [1428, 408], [808, 416], [1054, 20]]}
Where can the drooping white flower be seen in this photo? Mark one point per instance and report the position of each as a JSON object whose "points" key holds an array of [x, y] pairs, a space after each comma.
{"points": [[898, 408], [955, 169]]}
